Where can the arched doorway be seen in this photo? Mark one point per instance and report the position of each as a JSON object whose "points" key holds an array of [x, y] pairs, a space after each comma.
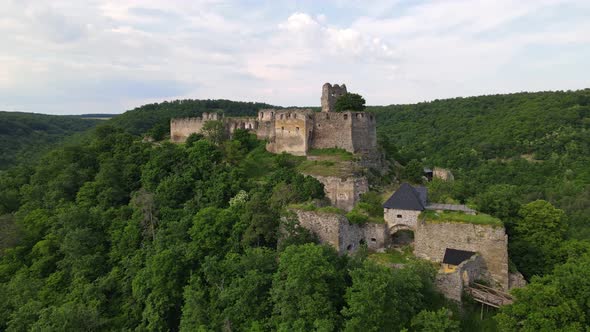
{"points": [[401, 236]]}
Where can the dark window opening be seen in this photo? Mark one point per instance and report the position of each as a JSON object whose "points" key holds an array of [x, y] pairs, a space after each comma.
{"points": [[373, 240], [345, 116], [399, 215], [349, 248]]}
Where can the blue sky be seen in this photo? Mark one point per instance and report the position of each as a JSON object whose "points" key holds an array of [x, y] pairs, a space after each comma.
{"points": [[108, 56]]}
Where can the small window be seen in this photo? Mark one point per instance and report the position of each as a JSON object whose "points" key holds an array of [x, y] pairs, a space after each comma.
{"points": [[349, 248], [399, 215], [327, 116], [272, 114], [345, 116], [373, 240], [261, 115], [249, 126], [288, 115], [282, 128], [297, 129]]}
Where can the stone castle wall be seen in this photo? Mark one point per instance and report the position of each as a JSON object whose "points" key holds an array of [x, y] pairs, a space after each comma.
{"points": [[333, 130], [452, 284], [335, 230], [364, 135], [292, 132], [432, 238], [408, 219], [344, 193], [181, 128]]}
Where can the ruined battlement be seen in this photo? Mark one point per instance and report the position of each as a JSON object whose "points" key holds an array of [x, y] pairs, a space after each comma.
{"points": [[330, 93], [296, 131]]}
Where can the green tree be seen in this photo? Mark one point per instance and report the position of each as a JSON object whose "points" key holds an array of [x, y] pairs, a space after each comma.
{"points": [[350, 102], [307, 289], [214, 131], [434, 321], [555, 302], [501, 200], [413, 171], [538, 237]]}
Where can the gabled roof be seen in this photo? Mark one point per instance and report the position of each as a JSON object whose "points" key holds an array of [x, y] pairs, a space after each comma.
{"points": [[456, 257], [407, 198]]}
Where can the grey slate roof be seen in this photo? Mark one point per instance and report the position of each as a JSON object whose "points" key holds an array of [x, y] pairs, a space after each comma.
{"points": [[408, 198], [456, 257]]}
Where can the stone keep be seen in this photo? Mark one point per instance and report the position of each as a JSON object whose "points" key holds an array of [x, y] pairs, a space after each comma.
{"points": [[330, 94], [296, 131]]}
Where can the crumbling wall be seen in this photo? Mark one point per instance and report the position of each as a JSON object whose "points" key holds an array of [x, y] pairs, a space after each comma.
{"points": [[335, 230], [375, 235], [330, 94], [452, 284], [344, 193], [443, 174], [332, 130], [292, 132], [491, 242], [364, 134], [181, 128], [231, 124]]}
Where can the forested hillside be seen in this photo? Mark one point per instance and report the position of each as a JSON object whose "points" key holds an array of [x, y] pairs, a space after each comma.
{"points": [[24, 135], [525, 145], [109, 232]]}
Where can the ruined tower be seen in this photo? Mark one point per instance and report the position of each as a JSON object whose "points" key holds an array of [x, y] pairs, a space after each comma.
{"points": [[330, 94]]}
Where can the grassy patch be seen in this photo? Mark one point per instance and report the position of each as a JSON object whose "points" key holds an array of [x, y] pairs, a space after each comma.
{"points": [[478, 219], [332, 152], [392, 256], [327, 168]]}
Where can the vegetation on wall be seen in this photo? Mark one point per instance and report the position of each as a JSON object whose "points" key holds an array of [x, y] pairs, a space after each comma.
{"points": [[350, 102]]}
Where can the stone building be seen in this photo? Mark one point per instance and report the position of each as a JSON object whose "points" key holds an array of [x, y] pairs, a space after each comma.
{"points": [[296, 131], [466, 251]]}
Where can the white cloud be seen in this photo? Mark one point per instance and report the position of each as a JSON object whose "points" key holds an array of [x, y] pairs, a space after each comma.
{"points": [[390, 51]]}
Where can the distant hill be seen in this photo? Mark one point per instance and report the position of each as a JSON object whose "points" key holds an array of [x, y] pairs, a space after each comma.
{"points": [[156, 117], [24, 135]]}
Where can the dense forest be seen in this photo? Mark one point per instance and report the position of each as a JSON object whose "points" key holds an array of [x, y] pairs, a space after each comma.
{"points": [[23, 136], [110, 232]]}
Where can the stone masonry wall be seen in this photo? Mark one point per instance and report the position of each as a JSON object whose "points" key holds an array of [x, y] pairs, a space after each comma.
{"points": [[330, 94], [181, 128], [452, 284], [364, 135], [332, 130], [408, 218], [432, 238], [292, 131], [344, 193], [335, 230]]}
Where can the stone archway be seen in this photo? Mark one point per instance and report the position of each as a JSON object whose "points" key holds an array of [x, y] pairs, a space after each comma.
{"points": [[401, 235]]}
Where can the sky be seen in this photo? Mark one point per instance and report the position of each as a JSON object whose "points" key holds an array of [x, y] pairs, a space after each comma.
{"points": [[108, 56]]}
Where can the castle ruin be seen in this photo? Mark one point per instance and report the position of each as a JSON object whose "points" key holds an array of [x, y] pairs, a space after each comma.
{"points": [[331, 93], [296, 131]]}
